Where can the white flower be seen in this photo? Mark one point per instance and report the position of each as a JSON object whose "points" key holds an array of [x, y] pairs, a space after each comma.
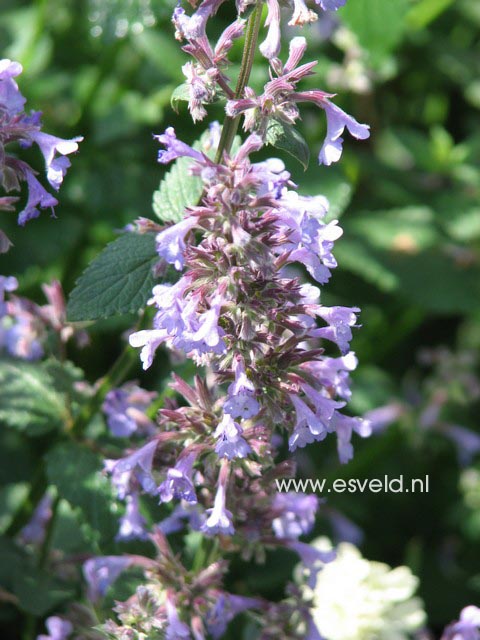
{"points": [[356, 599]]}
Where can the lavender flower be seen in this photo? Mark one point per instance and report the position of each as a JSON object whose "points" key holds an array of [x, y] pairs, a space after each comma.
{"points": [[312, 558], [331, 5], [240, 402], [132, 524], [219, 519], [101, 572], [337, 120], [296, 514], [11, 100], [271, 46], [226, 607], [125, 410], [58, 629], [34, 531], [467, 628], [7, 284], [280, 98], [176, 629], [50, 146], [230, 443], [194, 26], [17, 126], [171, 242], [135, 469], [178, 483], [38, 198], [344, 427]]}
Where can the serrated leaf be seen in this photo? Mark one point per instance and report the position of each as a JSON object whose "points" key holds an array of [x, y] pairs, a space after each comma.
{"points": [[77, 474], [180, 94], [28, 399], [179, 189], [285, 137], [118, 281]]}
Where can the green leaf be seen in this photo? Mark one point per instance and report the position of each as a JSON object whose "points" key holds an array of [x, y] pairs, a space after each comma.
{"points": [[180, 94], [11, 497], [28, 399], [12, 557], [39, 592], [465, 226], [407, 229], [378, 24], [36, 590], [179, 189], [118, 281], [355, 257], [285, 137], [77, 474], [437, 282], [425, 11]]}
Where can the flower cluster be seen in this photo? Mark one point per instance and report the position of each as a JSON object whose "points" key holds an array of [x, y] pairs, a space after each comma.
{"points": [[278, 359], [16, 126], [280, 98]]}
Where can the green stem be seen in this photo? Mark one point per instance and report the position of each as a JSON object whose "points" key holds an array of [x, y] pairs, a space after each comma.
{"points": [[230, 126]]}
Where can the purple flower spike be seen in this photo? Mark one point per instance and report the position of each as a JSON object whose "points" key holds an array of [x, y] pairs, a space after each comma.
{"points": [[175, 148], [101, 572], [176, 629], [58, 629], [178, 483], [171, 242], [337, 120], [219, 519]]}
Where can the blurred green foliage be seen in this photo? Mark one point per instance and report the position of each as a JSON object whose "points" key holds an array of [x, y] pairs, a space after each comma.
{"points": [[410, 256]]}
